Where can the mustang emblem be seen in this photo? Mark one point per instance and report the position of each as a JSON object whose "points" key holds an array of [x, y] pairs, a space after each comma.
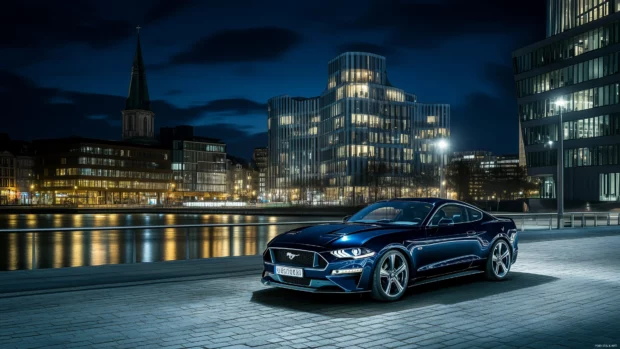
{"points": [[291, 255]]}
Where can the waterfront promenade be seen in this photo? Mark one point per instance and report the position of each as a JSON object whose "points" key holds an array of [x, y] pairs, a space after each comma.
{"points": [[563, 293]]}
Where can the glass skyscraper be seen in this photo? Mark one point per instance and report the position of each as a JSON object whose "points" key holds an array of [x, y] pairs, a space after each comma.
{"points": [[576, 63], [362, 139]]}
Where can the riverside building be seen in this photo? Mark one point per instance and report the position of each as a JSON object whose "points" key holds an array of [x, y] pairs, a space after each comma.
{"points": [[577, 63], [362, 139]]}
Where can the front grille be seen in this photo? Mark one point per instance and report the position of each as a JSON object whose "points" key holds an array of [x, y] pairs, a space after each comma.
{"points": [[295, 281], [299, 258], [322, 262]]}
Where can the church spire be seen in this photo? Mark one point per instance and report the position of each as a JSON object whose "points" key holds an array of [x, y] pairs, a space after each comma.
{"points": [[138, 118], [138, 91]]}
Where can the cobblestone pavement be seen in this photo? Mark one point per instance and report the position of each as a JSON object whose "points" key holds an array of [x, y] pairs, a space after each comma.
{"points": [[563, 293]]}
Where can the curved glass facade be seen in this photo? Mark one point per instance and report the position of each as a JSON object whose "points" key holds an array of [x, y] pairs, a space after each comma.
{"points": [[361, 140]]}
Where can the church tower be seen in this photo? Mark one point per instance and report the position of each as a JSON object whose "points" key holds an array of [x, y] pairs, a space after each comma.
{"points": [[138, 118]]}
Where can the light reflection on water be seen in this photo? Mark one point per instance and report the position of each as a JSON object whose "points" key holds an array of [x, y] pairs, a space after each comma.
{"points": [[87, 248]]}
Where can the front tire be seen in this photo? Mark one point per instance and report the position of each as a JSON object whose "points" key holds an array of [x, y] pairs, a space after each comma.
{"points": [[498, 261], [390, 277]]}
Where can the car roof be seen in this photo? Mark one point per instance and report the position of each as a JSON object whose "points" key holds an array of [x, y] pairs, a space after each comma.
{"points": [[435, 201]]}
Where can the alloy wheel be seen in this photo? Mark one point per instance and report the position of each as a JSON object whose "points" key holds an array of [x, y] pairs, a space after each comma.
{"points": [[394, 275], [501, 259]]}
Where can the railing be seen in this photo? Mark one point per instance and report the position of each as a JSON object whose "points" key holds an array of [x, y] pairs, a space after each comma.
{"points": [[548, 221], [34, 244]]}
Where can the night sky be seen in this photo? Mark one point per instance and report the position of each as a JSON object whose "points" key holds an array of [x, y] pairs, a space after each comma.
{"points": [[65, 65]]}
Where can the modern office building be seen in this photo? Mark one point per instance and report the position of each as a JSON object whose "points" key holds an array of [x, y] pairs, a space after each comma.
{"points": [[260, 161], [480, 175], [198, 165], [362, 139], [80, 171], [576, 63]]}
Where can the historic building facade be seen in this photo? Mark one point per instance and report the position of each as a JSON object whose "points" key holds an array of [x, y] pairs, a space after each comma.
{"points": [[362, 139], [260, 161]]}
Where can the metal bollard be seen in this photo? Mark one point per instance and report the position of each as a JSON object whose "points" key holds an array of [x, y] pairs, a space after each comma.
{"points": [[572, 221], [550, 221], [133, 253], [186, 243], [523, 223], [595, 220], [608, 218], [34, 251], [583, 220]]}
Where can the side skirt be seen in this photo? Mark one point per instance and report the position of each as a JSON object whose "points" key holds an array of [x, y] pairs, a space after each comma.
{"points": [[446, 277]]}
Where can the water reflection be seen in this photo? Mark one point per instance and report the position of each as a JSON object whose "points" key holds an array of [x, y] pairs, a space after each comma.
{"points": [[83, 248]]}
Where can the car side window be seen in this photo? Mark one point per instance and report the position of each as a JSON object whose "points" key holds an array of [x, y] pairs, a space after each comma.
{"points": [[474, 215], [456, 213]]}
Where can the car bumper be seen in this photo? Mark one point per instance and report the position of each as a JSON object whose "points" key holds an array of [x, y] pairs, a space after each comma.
{"points": [[323, 280]]}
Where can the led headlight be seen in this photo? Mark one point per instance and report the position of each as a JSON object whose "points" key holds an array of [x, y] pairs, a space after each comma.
{"points": [[354, 252]]}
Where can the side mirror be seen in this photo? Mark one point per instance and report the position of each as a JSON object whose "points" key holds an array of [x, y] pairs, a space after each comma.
{"points": [[444, 222], [346, 218]]}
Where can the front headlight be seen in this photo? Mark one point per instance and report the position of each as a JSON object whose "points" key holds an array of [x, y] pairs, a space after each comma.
{"points": [[354, 252]]}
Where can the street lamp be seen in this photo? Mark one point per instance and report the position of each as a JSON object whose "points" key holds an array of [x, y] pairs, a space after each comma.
{"points": [[442, 145], [75, 195], [561, 104]]}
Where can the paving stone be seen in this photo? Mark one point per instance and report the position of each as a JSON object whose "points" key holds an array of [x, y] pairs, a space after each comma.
{"points": [[560, 294]]}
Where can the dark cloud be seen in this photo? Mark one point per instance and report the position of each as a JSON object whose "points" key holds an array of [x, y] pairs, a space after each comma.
{"points": [[237, 106], [41, 23], [365, 47], [240, 45], [423, 25], [36, 112], [488, 121], [173, 92], [166, 8]]}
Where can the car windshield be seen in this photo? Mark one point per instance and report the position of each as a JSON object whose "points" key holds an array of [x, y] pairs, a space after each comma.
{"points": [[394, 212]]}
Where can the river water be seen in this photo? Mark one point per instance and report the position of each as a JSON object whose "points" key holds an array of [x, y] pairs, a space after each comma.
{"points": [[58, 249]]}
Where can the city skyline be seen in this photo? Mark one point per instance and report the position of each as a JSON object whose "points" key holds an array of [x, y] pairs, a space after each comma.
{"points": [[218, 76]]}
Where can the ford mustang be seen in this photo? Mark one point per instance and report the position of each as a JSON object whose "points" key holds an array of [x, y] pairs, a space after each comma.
{"points": [[391, 245]]}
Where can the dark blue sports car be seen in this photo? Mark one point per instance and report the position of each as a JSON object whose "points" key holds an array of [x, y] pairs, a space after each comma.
{"points": [[391, 245]]}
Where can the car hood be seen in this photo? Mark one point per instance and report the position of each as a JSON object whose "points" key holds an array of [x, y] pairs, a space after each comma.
{"points": [[344, 234]]}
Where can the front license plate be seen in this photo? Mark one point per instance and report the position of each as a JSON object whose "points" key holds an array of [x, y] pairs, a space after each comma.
{"points": [[286, 271]]}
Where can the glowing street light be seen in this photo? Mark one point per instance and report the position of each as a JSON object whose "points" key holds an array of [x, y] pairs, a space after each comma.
{"points": [[442, 145], [561, 104]]}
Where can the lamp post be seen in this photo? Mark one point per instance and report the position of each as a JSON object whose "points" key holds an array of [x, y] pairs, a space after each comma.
{"points": [[75, 195], [442, 145], [30, 195], [561, 104]]}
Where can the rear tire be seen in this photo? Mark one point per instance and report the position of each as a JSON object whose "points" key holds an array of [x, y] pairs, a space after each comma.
{"points": [[499, 261], [390, 277]]}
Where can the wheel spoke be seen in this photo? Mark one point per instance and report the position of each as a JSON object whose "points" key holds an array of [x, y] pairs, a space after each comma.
{"points": [[388, 288], [496, 267], [503, 266], [392, 261], [399, 287], [505, 254], [384, 273], [400, 269], [495, 258]]}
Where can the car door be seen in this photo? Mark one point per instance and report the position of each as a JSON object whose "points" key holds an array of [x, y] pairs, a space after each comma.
{"points": [[447, 242]]}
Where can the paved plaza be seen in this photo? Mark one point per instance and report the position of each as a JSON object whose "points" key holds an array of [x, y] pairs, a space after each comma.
{"points": [[562, 294]]}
